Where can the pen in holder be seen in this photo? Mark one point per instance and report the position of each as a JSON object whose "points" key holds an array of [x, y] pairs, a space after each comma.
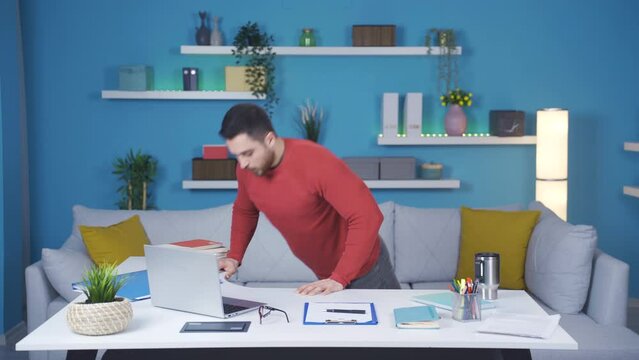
{"points": [[466, 307]]}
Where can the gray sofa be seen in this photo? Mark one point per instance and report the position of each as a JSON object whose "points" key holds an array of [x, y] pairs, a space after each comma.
{"points": [[424, 247]]}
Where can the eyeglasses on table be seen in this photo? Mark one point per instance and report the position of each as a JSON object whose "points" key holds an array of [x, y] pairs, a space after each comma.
{"points": [[266, 310]]}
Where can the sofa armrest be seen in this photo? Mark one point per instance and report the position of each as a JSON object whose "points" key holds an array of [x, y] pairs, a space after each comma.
{"points": [[607, 302], [39, 294]]}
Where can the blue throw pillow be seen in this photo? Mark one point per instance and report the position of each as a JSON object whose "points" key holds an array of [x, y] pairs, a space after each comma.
{"points": [[559, 261]]}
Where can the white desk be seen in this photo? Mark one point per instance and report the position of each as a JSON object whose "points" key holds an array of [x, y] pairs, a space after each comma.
{"points": [[156, 328]]}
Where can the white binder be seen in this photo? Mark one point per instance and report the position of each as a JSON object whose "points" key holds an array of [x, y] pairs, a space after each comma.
{"points": [[412, 119], [390, 114]]}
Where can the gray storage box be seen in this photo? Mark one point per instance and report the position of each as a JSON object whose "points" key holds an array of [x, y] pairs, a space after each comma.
{"points": [[366, 167], [397, 168], [135, 78]]}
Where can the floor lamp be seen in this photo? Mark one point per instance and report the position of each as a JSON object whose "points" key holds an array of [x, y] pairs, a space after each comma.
{"points": [[551, 186]]}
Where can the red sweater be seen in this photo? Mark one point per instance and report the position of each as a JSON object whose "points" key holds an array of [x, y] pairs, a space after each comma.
{"points": [[327, 215]]}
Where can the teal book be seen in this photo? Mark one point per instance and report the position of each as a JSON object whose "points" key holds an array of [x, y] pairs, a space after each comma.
{"points": [[416, 317], [136, 287], [444, 300]]}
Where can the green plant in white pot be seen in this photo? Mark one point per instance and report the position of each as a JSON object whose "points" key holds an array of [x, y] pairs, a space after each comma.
{"points": [[310, 120], [103, 312]]}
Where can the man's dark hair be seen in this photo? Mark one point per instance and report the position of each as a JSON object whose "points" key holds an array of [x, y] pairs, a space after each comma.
{"points": [[248, 119]]}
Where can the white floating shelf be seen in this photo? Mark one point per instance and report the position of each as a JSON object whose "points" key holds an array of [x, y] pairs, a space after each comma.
{"points": [[372, 184], [631, 146], [631, 191], [178, 95], [413, 184], [328, 50], [458, 140]]}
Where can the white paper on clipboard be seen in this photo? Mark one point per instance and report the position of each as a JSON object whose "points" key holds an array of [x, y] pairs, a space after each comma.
{"points": [[325, 313]]}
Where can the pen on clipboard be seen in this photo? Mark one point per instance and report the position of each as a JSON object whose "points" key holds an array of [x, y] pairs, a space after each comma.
{"points": [[353, 321], [346, 311]]}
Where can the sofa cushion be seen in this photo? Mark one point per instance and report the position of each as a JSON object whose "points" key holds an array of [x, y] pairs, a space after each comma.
{"points": [[56, 305], [63, 267], [268, 258], [559, 261], [273, 284], [161, 226], [386, 231], [595, 341], [426, 243], [504, 232], [115, 243], [437, 285]]}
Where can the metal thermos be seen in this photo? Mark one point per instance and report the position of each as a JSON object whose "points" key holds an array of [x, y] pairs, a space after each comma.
{"points": [[487, 272]]}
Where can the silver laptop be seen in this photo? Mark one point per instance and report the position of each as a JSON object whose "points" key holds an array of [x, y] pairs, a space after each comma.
{"points": [[188, 280]]}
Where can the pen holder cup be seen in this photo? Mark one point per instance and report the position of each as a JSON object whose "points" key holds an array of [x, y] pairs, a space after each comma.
{"points": [[467, 307]]}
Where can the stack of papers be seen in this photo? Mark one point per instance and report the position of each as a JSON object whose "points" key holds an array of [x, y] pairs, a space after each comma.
{"points": [[521, 325]]}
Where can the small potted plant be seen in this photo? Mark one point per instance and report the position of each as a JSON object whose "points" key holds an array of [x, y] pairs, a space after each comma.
{"points": [[310, 121], [455, 120], [447, 66], [254, 48], [102, 312], [137, 171]]}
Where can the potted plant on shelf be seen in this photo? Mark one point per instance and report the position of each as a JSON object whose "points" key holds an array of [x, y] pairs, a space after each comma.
{"points": [[310, 120], [455, 121], [253, 48], [137, 171], [447, 66], [102, 312]]}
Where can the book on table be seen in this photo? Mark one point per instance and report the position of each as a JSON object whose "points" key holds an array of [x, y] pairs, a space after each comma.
{"points": [[416, 317], [202, 244]]}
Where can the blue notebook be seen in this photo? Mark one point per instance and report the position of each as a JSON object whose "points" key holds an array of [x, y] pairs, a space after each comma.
{"points": [[444, 300], [136, 288], [416, 317]]}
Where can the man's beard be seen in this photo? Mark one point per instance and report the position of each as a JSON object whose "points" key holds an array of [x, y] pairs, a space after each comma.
{"points": [[261, 171]]}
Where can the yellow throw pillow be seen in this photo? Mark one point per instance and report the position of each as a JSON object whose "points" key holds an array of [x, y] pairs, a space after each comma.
{"points": [[114, 244], [503, 232]]}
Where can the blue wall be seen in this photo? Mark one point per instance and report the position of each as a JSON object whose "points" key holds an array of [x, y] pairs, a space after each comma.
{"points": [[11, 199], [524, 55], [2, 238]]}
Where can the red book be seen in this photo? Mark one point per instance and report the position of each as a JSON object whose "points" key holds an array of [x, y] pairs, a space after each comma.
{"points": [[199, 244], [214, 152]]}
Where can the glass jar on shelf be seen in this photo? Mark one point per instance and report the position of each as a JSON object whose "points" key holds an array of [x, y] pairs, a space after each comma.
{"points": [[307, 38]]}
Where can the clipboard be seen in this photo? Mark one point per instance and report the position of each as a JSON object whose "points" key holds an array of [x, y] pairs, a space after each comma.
{"points": [[332, 319]]}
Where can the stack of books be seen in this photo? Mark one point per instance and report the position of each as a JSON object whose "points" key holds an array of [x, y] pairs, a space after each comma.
{"points": [[204, 245]]}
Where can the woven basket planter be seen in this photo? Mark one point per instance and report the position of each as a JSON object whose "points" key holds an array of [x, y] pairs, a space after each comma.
{"points": [[101, 318]]}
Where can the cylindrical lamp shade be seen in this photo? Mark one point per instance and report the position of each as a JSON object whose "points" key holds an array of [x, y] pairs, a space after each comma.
{"points": [[552, 144], [552, 160], [553, 195]]}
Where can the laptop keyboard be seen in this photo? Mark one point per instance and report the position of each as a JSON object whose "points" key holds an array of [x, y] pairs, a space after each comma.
{"points": [[229, 308]]}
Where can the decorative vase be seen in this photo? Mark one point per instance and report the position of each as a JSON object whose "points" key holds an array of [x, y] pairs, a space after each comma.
{"points": [[100, 318], [455, 121], [307, 38], [203, 34], [216, 35]]}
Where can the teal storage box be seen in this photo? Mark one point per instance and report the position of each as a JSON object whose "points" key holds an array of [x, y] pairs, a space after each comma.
{"points": [[136, 77]]}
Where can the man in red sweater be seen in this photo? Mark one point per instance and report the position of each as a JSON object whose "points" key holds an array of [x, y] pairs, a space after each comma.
{"points": [[326, 213]]}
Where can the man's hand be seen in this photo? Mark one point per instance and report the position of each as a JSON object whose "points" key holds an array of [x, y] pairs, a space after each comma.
{"points": [[228, 265], [323, 287]]}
